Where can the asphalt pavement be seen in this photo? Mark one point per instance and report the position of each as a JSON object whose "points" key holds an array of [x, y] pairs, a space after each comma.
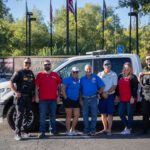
{"points": [[135, 141]]}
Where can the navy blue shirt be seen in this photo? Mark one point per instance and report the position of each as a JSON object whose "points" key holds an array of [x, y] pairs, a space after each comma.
{"points": [[72, 87], [90, 86]]}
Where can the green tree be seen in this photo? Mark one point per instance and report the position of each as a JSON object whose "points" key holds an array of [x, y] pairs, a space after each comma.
{"points": [[89, 29], [139, 5], [5, 37], [39, 35]]}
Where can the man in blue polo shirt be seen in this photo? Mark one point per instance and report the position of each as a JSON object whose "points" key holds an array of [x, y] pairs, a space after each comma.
{"points": [[90, 85]]}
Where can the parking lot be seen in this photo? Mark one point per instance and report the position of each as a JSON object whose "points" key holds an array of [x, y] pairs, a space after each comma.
{"points": [[136, 141]]}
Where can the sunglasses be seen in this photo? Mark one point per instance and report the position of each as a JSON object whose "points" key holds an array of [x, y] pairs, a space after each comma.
{"points": [[75, 72], [107, 65], [126, 68], [47, 64], [148, 59], [27, 62]]}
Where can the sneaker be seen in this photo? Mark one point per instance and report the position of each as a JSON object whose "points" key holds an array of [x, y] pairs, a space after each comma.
{"points": [[17, 137], [102, 131], [74, 133], [126, 131], [51, 133], [41, 136], [68, 133], [25, 135]]}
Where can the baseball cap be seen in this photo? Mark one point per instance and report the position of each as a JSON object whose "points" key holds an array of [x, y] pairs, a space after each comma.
{"points": [[74, 69], [27, 60], [47, 62], [107, 62]]}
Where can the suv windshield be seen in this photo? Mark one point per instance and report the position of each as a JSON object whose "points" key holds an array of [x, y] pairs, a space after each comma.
{"points": [[117, 64]]}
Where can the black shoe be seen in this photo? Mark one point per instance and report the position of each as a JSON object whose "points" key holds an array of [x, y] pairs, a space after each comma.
{"points": [[86, 133], [144, 132], [92, 133], [41, 136]]}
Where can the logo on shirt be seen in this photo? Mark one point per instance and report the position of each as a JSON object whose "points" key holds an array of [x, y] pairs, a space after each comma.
{"points": [[53, 77], [93, 80]]}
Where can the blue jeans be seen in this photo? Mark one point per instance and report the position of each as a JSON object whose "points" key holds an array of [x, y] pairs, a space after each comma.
{"points": [[47, 106], [90, 104], [129, 108]]}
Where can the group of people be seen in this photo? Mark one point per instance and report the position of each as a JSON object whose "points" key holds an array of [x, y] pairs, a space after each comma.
{"points": [[91, 94]]}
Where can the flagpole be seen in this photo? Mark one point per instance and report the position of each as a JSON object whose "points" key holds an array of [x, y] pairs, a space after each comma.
{"points": [[103, 28], [130, 32], [67, 27], [26, 28], [76, 21], [51, 28]]}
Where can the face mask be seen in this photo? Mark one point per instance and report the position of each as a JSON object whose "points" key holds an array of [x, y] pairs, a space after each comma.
{"points": [[47, 68]]}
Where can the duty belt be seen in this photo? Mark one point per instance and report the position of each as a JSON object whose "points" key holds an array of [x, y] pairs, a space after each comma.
{"points": [[89, 97]]}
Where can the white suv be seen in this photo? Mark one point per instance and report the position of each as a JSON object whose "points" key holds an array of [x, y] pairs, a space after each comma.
{"points": [[117, 60]]}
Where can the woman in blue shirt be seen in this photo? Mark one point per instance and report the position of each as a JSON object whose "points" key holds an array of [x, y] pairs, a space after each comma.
{"points": [[71, 91]]}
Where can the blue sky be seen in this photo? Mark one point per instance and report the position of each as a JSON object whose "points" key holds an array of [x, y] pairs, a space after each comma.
{"points": [[17, 8]]}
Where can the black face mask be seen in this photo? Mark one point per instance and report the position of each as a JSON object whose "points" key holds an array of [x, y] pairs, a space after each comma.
{"points": [[47, 68]]}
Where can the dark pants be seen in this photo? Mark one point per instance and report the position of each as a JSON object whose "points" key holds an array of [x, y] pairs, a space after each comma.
{"points": [[129, 108], [23, 106], [146, 114]]}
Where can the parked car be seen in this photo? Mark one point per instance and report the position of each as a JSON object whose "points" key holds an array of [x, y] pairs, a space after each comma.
{"points": [[6, 95]]}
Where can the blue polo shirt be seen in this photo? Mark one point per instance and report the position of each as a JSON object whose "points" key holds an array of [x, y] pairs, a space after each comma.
{"points": [[90, 86], [72, 87]]}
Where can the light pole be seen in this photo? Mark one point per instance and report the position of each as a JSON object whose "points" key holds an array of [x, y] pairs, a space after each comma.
{"points": [[137, 30]]}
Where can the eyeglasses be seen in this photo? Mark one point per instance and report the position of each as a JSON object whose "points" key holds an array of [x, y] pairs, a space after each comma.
{"points": [[27, 62], [75, 72]]}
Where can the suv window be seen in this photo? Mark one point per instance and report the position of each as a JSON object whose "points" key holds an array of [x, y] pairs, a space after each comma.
{"points": [[65, 72], [117, 64]]}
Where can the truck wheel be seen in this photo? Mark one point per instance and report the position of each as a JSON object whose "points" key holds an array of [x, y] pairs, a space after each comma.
{"points": [[28, 121]]}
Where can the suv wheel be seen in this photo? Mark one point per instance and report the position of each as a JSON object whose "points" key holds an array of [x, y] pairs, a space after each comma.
{"points": [[29, 121]]}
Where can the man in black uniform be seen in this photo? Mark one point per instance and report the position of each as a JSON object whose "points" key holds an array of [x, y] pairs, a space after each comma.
{"points": [[144, 79], [24, 93]]}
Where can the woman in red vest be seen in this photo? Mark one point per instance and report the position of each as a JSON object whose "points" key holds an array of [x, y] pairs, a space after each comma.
{"points": [[127, 94]]}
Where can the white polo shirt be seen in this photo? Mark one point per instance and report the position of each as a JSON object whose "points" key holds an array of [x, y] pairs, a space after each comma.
{"points": [[109, 80]]}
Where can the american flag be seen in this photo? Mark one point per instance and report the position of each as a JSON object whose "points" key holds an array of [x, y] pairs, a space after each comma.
{"points": [[71, 8]]}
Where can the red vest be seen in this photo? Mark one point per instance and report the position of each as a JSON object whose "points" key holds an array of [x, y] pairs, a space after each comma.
{"points": [[124, 89]]}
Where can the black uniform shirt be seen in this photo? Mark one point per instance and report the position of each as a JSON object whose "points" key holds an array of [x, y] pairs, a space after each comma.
{"points": [[25, 81]]}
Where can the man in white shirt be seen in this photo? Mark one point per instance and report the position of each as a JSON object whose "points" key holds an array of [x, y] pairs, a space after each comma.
{"points": [[106, 102]]}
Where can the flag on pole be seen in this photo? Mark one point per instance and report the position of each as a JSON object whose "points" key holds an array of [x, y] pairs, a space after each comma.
{"points": [[51, 11], [104, 9], [70, 7], [75, 10]]}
